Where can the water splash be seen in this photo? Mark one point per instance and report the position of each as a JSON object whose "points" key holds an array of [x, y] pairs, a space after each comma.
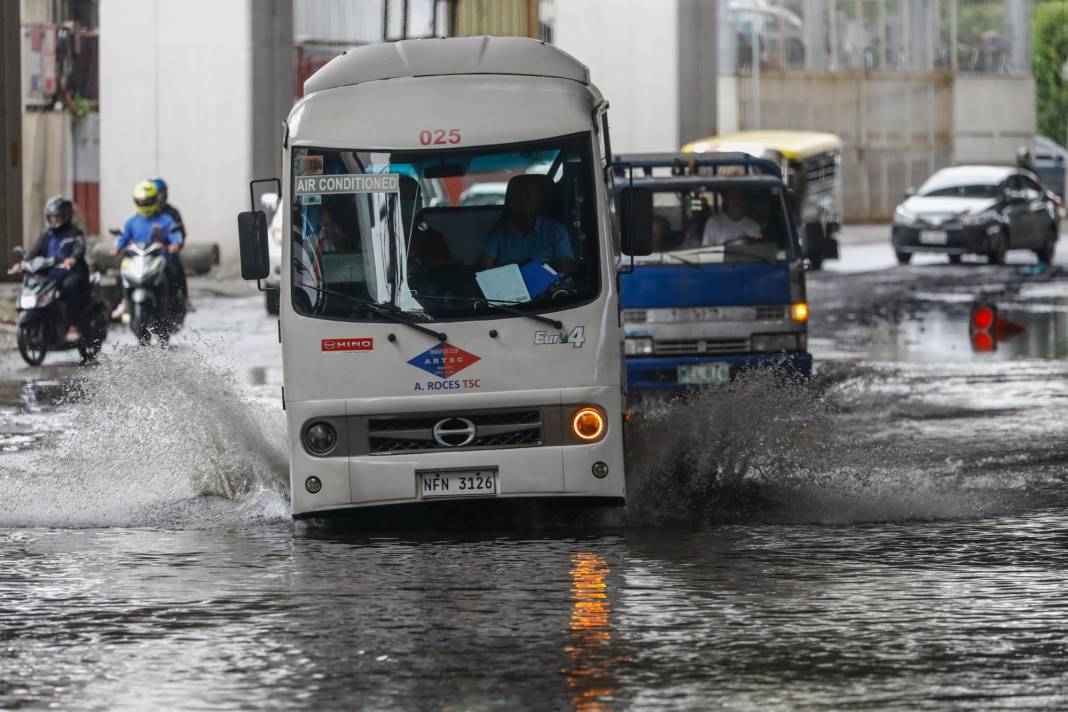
{"points": [[763, 450], [157, 438]]}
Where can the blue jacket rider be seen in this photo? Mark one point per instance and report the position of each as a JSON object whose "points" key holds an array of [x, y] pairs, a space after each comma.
{"points": [[66, 243], [138, 229]]}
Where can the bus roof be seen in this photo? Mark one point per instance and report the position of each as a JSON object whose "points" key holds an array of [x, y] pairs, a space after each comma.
{"points": [[791, 144], [440, 57]]}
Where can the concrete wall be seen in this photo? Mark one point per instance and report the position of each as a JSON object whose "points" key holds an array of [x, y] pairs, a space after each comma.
{"points": [[194, 91], [993, 115], [896, 127], [47, 166], [632, 50], [10, 132]]}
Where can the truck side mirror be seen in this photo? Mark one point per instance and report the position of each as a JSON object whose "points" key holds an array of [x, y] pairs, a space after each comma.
{"points": [[252, 239], [637, 227]]}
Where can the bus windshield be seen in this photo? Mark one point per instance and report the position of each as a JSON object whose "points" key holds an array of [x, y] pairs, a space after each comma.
{"points": [[444, 234], [724, 223]]}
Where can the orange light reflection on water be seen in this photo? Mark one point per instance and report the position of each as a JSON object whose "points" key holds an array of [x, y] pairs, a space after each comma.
{"points": [[590, 675]]}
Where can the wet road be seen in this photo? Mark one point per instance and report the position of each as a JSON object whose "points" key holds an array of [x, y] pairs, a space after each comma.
{"points": [[891, 537]]}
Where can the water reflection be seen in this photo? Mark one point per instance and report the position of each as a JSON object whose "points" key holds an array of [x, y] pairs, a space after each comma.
{"points": [[1037, 331], [590, 675]]}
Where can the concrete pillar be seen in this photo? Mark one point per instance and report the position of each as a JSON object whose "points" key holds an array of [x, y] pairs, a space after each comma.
{"points": [[10, 132], [698, 73], [815, 18], [194, 91]]}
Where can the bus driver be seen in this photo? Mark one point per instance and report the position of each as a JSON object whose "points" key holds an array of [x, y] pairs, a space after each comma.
{"points": [[523, 234]]}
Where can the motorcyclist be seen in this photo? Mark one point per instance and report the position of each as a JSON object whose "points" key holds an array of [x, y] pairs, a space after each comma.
{"points": [[166, 207], [139, 229], [64, 241]]}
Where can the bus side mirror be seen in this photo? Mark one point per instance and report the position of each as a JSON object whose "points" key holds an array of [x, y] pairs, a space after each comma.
{"points": [[252, 238], [637, 228]]}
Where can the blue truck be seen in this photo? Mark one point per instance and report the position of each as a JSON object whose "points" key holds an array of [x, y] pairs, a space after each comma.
{"points": [[723, 290]]}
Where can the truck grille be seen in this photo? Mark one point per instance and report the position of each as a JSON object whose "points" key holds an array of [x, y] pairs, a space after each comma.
{"points": [[772, 313], [416, 433], [683, 347]]}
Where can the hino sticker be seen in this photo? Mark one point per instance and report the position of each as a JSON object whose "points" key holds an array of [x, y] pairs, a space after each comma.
{"points": [[349, 345], [347, 183], [576, 337]]}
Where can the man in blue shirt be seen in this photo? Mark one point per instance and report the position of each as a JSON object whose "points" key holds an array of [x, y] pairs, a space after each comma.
{"points": [[149, 224], [522, 234]]}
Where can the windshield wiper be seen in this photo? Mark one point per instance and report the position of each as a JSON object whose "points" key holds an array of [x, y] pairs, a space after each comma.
{"points": [[499, 305], [390, 314], [731, 249], [683, 260]]}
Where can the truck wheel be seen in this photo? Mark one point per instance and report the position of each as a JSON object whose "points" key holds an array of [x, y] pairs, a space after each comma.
{"points": [[903, 258], [814, 245], [954, 259], [32, 341]]}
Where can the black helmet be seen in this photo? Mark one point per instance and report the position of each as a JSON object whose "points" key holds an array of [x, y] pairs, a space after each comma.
{"points": [[60, 207]]}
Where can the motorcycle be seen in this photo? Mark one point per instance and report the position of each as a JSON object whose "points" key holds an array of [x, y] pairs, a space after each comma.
{"points": [[154, 307], [44, 320]]}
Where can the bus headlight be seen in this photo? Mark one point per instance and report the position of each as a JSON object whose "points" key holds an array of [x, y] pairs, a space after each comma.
{"points": [[638, 346], [775, 342], [320, 438], [588, 424]]}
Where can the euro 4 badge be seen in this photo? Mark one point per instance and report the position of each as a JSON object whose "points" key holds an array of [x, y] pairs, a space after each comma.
{"points": [[443, 360]]}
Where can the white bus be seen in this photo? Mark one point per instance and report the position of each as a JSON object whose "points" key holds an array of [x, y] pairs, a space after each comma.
{"points": [[436, 350]]}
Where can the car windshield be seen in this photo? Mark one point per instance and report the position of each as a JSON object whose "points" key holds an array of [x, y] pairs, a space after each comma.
{"points": [[943, 186], [725, 223], [445, 233]]}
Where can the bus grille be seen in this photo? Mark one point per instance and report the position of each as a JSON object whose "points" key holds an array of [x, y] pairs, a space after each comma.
{"points": [[683, 347], [416, 433]]}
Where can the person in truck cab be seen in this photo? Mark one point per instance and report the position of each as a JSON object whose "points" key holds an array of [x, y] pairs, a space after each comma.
{"points": [[732, 224], [524, 234]]}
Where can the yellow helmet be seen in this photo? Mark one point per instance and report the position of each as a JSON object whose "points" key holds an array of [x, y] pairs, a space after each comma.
{"points": [[146, 198]]}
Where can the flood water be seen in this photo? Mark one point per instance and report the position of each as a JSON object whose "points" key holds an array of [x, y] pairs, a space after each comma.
{"points": [[891, 536]]}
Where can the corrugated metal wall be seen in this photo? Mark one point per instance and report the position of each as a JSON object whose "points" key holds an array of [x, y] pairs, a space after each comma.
{"points": [[10, 132], [496, 17]]}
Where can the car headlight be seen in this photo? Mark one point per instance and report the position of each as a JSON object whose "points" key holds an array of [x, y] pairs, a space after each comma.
{"points": [[638, 346], [987, 216], [775, 342], [903, 216]]}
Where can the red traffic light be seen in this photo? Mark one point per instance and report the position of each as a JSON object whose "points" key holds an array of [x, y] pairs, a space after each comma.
{"points": [[984, 316]]}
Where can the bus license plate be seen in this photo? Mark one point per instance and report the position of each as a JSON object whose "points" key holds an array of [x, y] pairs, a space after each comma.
{"points": [[703, 374], [458, 483], [933, 237]]}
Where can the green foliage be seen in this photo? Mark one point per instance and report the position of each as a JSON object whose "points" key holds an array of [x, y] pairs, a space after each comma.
{"points": [[1049, 54]]}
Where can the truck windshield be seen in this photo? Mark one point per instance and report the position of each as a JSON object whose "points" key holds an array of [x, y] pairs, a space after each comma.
{"points": [[722, 224], [446, 233]]}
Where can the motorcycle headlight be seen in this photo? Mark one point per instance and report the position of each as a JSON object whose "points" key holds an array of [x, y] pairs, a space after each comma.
{"points": [[987, 216], [775, 342], [638, 346], [903, 216], [27, 301]]}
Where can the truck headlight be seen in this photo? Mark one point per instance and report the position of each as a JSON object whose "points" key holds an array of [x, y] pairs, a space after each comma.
{"points": [[638, 346], [775, 342]]}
